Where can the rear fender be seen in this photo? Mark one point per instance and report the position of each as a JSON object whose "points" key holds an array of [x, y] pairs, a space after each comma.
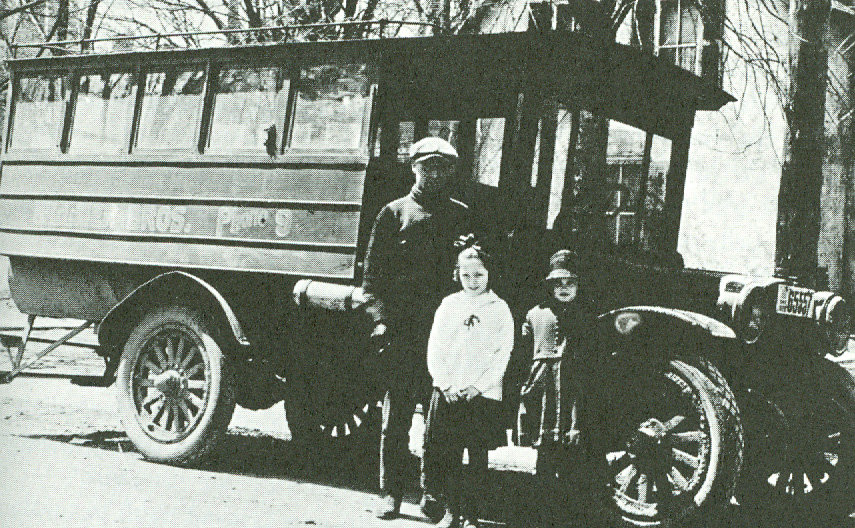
{"points": [[172, 288]]}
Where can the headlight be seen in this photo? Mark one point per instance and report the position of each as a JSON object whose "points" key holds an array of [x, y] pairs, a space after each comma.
{"points": [[753, 316], [832, 315]]}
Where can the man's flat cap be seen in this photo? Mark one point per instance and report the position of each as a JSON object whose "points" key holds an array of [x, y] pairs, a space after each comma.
{"points": [[431, 147]]}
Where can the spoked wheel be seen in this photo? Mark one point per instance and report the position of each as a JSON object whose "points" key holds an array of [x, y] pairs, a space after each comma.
{"points": [[675, 457], [174, 387], [334, 381], [357, 415], [803, 457]]}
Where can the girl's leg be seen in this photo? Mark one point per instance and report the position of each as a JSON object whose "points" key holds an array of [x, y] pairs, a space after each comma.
{"points": [[475, 483], [453, 488]]}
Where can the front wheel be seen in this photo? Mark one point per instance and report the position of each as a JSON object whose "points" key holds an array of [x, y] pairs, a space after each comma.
{"points": [[673, 450], [174, 387]]}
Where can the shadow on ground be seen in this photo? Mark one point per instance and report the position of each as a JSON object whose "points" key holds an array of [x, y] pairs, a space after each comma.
{"points": [[510, 500]]}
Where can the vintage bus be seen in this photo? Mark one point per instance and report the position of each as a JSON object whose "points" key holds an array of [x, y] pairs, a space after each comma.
{"points": [[209, 208]]}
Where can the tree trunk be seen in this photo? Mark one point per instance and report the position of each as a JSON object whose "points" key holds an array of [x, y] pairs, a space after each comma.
{"points": [[91, 13], [801, 174]]}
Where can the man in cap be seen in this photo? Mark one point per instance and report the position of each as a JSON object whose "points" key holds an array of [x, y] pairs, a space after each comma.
{"points": [[408, 271]]}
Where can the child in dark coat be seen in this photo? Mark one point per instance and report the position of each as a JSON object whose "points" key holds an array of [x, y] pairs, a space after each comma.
{"points": [[557, 335]]}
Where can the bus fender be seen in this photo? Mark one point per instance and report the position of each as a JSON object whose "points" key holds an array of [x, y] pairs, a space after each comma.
{"points": [[654, 328], [174, 287]]}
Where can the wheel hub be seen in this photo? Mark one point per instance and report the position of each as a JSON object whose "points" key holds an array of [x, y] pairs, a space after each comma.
{"points": [[170, 383]]}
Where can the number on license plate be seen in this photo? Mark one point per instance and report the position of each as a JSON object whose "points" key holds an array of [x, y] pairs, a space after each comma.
{"points": [[793, 300]]}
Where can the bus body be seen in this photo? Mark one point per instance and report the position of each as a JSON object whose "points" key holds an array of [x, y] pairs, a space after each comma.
{"points": [[209, 209]]}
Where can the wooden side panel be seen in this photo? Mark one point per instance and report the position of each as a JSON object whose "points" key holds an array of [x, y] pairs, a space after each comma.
{"points": [[186, 255], [292, 219], [272, 182]]}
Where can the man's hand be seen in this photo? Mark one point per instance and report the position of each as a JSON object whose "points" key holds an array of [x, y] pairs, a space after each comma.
{"points": [[379, 330], [469, 393], [571, 437]]}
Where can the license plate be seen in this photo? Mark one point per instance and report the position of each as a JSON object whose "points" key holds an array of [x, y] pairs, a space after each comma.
{"points": [[793, 300]]}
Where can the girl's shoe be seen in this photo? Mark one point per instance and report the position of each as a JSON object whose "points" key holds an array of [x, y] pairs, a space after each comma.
{"points": [[387, 507], [470, 523]]}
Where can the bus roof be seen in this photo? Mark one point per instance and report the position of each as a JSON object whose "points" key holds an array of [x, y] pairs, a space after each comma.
{"points": [[620, 81]]}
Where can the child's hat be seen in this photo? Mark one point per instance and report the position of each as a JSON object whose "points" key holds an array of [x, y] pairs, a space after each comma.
{"points": [[561, 266]]}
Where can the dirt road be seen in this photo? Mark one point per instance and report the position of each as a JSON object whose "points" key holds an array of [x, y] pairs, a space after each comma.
{"points": [[65, 463]]}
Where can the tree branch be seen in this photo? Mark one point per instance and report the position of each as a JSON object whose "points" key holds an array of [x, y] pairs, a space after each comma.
{"points": [[15, 10]]}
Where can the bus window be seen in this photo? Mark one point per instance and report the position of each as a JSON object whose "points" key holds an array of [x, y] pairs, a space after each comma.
{"points": [[636, 168], [406, 135], [620, 203], [410, 131], [447, 130], [654, 193], [171, 109], [103, 112], [331, 107], [249, 100], [40, 103], [624, 165], [489, 136]]}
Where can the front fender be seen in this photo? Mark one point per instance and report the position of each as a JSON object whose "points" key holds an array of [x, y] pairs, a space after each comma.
{"points": [[174, 287], [657, 330]]}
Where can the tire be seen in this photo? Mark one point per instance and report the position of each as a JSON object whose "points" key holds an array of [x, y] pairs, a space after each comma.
{"points": [[802, 456], [357, 418], [174, 387], [676, 451], [334, 382]]}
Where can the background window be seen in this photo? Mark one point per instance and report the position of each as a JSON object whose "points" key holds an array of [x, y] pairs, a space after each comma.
{"points": [[687, 40], [331, 107], [171, 110], [40, 103], [489, 136], [249, 101], [104, 112]]}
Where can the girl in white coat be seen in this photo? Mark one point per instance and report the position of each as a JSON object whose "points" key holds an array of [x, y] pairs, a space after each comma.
{"points": [[468, 351]]}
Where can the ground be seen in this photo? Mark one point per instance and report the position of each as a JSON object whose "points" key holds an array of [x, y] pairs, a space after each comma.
{"points": [[64, 461]]}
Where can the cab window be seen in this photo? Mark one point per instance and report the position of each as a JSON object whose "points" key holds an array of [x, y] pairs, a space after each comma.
{"points": [[331, 107], [249, 100], [620, 203], [103, 112], [171, 109], [39, 111]]}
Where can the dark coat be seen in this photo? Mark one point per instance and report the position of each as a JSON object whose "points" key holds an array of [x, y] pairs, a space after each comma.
{"points": [[553, 331], [410, 257]]}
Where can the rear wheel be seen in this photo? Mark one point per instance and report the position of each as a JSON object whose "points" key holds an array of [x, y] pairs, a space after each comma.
{"points": [[676, 451], [174, 387]]}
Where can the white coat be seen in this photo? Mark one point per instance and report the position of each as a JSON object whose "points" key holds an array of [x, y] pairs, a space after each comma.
{"points": [[470, 343]]}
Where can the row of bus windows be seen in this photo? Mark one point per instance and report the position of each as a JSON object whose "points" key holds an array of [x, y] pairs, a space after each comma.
{"points": [[331, 103]]}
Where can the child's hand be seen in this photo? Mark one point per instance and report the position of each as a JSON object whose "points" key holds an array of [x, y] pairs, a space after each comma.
{"points": [[469, 393], [451, 395]]}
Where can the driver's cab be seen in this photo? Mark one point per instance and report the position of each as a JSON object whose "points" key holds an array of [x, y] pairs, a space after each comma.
{"points": [[563, 142]]}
